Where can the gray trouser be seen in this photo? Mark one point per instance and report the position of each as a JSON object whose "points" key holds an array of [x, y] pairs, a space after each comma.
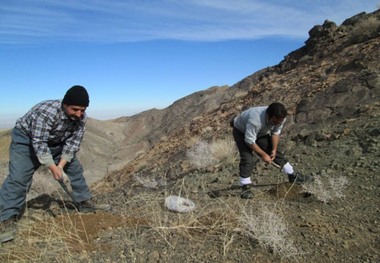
{"points": [[247, 160], [23, 162]]}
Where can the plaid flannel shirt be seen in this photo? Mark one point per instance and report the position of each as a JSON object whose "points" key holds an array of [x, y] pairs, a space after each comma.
{"points": [[47, 125]]}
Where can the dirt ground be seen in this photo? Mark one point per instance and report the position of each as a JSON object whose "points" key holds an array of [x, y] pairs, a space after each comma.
{"points": [[140, 229]]}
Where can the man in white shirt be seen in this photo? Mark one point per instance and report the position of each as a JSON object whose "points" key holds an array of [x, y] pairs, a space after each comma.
{"points": [[257, 130]]}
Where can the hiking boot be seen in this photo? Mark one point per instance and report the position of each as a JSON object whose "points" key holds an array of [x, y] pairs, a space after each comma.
{"points": [[298, 178], [246, 192], [89, 206], [8, 230]]}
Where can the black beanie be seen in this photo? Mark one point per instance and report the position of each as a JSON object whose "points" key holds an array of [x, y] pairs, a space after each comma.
{"points": [[76, 95]]}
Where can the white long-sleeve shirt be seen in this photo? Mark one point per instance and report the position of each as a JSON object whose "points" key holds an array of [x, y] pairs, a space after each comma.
{"points": [[254, 124]]}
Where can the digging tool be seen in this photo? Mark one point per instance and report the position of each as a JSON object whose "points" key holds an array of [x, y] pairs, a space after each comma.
{"points": [[65, 184], [276, 165]]}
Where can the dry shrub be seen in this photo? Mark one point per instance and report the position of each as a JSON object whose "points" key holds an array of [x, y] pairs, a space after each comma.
{"points": [[204, 154], [213, 220], [269, 228], [326, 188], [216, 220], [200, 155], [366, 29], [45, 239], [224, 151], [146, 181]]}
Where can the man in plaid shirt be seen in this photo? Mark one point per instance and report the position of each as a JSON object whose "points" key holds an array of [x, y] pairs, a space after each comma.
{"points": [[49, 134]]}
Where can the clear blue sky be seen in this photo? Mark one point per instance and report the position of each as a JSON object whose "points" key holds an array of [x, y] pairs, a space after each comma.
{"points": [[137, 55]]}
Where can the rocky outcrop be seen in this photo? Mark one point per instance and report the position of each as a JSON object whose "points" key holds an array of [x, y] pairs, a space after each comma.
{"points": [[329, 38]]}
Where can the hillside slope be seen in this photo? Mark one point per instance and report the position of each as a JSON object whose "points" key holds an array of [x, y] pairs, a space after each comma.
{"points": [[333, 78], [331, 87]]}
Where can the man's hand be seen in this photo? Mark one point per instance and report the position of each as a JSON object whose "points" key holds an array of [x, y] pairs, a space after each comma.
{"points": [[273, 154], [266, 158], [56, 171]]}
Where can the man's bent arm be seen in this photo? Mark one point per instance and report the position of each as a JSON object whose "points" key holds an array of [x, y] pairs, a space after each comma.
{"points": [[264, 156]]}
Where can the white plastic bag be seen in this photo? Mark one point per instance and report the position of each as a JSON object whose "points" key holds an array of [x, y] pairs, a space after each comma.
{"points": [[179, 204]]}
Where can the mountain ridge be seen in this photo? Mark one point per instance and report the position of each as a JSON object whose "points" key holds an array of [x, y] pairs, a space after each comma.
{"points": [[326, 86], [331, 87]]}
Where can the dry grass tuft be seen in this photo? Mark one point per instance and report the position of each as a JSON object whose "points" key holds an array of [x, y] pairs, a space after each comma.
{"points": [[218, 152], [224, 151], [45, 239], [211, 220], [326, 188], [267, 225], [200, 155], [215, 221]]}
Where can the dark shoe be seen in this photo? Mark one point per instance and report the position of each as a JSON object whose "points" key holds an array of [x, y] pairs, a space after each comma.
{"points": [[89, 206], [299, 178], [86, 206], [246, 192], [8, 230]]}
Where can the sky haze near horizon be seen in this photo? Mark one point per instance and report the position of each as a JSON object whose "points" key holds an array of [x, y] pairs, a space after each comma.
{"points": [[137, 55]]}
